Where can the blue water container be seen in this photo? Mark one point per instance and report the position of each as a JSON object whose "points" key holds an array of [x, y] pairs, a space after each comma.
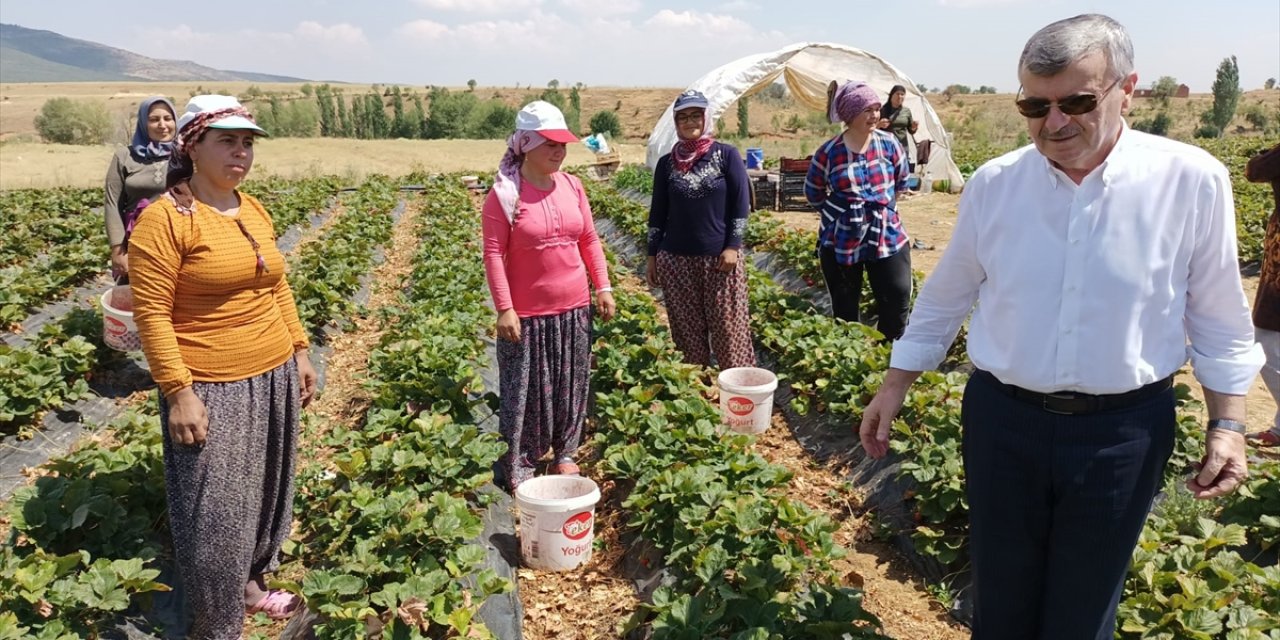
{"points": [[755, 158]]}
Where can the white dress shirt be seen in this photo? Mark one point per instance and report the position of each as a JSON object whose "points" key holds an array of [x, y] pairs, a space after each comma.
{"points": [[1098, 288]]}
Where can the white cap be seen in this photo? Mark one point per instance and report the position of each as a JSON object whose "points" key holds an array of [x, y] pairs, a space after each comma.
{"points": [[213, 102], [546, 119]]}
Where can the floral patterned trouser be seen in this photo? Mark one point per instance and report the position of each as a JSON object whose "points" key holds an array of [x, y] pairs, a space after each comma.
{"points": [[707, 309]]}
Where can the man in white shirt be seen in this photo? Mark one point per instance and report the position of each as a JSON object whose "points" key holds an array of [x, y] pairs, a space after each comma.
{"points": [[1095, 262]]}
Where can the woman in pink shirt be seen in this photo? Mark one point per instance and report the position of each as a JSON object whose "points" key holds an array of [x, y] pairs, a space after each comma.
{"points": [[540, 250]]}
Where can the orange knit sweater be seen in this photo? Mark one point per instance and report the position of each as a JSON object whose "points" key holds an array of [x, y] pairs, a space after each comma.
{"points": [[204, 311]]}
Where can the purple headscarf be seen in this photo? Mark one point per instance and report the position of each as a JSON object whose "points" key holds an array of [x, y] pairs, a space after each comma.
{"points": [[851, 99], [142, 147], [507, 182]]}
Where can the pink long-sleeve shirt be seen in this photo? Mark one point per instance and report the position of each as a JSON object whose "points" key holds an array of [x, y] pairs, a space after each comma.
{"points": [[539, 265]]}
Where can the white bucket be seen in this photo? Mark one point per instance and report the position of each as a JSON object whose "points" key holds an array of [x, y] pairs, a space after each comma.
{"points": [[746, 398], [118, 329], [557, 521]]}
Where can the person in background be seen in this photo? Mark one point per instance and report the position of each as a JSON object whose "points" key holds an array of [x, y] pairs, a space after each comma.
{"points": [[697, 217], [854, 180], [1265, 167], [897, 119], [136, 175], [1094, 262], [221, 333], [541, 257]]}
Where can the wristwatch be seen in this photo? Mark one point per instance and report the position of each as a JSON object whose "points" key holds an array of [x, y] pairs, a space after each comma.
{"points": [[1226, 425]]}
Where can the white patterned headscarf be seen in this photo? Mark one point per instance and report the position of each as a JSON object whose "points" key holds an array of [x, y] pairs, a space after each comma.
{"points": [[507, 182]]}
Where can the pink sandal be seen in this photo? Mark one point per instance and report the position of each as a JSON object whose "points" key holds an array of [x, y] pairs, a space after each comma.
{"points": [[1264, 439], [278, 605]]}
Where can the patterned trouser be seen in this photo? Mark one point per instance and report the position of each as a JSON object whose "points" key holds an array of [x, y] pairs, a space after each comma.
{"points": [[703, 302], [544, 379], [231, 499]]}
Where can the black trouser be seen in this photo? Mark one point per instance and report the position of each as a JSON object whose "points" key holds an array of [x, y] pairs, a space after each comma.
{"points": [[1056, 504], [890, 280]]}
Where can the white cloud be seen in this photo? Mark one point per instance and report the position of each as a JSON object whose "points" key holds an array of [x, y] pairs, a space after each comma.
{"points": [[341, 33], [601, 7], [739, 6], [710, 23], [423, 29], [480, 6]]}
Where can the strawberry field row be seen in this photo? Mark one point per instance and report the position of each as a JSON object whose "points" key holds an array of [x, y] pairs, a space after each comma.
{"points": [[387, 525]]}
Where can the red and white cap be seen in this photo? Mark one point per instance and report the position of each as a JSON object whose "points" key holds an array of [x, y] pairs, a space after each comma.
{"points": [[547, 120]]}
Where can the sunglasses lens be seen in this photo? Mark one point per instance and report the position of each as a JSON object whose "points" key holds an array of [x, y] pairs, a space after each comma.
{"points": [[1032, 108], [1079, 104]]}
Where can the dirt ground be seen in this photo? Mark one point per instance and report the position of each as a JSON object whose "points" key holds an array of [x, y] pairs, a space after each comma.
{"points": [[931, 217]]}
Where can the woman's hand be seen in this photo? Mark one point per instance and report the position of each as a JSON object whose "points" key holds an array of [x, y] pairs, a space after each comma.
{"points": [[883, 124], [605, 305], [188, 418], [651, 271], [728, 260], [119, 262], [509, 326], [915, 124], [306, 377]]}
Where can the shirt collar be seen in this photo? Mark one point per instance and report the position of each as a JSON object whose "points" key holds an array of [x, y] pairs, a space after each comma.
{"points": [[1107, 170]]}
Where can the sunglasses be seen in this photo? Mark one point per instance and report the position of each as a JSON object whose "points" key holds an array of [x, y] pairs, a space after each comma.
{"points": [[695, 115], [1076, 105]]}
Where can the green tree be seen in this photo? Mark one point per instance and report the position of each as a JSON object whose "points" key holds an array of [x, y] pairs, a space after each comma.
{"points": [[471, 85], [986, 89], [307, 90], [1163, 89], [450, 114], [553, 96], [329, 125], [554, 84], [376, 114], [401, 125], [606, 122], [359, 123], [923, 89], [573, 117], [346, 129], [419, 117], [1226, 94], [490, 119], [744, 130], [65, 121], [1269, 84]]}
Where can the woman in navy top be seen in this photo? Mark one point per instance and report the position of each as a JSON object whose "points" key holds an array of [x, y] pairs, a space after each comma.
{"points": [[697, 218]]}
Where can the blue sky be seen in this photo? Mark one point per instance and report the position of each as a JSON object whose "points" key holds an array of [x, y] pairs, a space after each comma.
{"points": [[643, 43]]}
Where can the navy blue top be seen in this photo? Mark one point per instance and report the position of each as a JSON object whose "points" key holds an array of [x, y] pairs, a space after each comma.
{"points": [[703, 211]]}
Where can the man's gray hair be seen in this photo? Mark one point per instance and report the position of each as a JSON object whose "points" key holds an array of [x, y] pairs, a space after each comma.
{"points": [[1058, 45]]}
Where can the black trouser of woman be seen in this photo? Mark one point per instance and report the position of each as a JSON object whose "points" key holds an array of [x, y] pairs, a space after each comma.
{"points": [[890, 280]]}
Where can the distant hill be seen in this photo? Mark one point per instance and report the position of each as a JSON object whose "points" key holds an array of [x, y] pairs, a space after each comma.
{"points": [[34, 55]]}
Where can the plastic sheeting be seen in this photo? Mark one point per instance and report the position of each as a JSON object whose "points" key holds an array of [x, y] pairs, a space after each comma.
{"points": [[807, 68]]}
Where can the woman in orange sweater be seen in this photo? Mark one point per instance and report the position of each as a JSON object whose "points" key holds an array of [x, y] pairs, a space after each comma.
{"points": [[224, 343]]}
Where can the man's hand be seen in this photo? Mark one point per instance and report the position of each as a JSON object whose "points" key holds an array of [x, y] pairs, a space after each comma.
{"points": [[879, 415], [1223, 467]]}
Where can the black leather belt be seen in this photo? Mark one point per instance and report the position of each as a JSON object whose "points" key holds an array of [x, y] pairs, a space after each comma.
{"points": [[1070, 403]]}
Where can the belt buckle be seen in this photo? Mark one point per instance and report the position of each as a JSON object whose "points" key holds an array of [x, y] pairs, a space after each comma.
{"points": [[1061, 395]]}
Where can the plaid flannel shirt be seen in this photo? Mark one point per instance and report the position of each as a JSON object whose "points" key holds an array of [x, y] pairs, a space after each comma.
{"points": [[856, 197]]}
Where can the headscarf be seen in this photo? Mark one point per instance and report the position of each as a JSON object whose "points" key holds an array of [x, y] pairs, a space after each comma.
{"points": [[887, 110], [851, 99], [142, 147], [180, 168], [686, 153], [507, 181]]}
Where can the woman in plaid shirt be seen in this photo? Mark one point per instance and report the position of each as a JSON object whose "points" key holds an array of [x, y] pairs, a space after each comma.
{"points": [[853, 181]]}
